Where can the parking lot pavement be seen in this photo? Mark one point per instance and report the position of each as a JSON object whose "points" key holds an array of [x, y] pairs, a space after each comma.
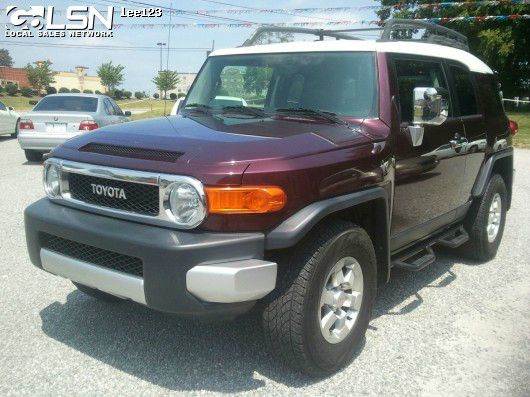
{"points": [[455, 328]]}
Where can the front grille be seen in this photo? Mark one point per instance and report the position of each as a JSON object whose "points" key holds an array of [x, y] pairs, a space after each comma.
{"points": [[132, 152], [97, 256], [137, 198]]}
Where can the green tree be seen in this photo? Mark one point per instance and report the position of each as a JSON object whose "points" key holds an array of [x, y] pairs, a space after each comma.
{"points": [[165, 81], [41, 75], [5, 58], [111, 75], [502, 44]]}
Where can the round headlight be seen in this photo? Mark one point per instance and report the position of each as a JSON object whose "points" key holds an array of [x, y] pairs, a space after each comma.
{"points": [[52, 180], [187, 205]]}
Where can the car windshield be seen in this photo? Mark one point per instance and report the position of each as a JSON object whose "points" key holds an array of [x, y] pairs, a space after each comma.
{"points": [[67, 103], [341, 83]]}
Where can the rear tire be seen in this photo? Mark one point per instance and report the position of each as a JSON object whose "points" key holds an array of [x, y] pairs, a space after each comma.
{"points": [[97, 294], [33, 156], [485, 221], [294, 314]]}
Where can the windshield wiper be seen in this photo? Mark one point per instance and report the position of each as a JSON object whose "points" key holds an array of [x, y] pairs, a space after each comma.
{"points": [[329, 116], [244, 109], [198, 106]]}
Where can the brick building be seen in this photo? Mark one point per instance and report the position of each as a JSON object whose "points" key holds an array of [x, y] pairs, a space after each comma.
{"points": [[17, 76]]}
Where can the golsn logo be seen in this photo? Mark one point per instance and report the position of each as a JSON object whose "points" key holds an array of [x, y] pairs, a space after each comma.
{"points": [[40, 21]]}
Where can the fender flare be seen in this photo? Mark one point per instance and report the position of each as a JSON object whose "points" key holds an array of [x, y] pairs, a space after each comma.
{"points": [[294, 228], [486, 170]]}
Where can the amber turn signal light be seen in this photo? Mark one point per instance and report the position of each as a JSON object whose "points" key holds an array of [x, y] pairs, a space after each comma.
{"points": [[245, 199]]}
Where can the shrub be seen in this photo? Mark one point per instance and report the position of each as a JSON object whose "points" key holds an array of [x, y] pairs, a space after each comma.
{"points": [[88, 92], [11, 89], [181, 95], [173, 96], [117, 94], [98, 92], [156, 96], [27, 92], [1, 89], [139, 95], [51, 90], [127, 94], [75, 91], [64, 90]]}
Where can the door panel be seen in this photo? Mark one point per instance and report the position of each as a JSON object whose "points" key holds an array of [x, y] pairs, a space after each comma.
{"points": [[4, 118], [428, 177]]}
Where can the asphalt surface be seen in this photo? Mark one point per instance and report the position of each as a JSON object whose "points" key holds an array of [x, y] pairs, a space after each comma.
{"points": [[457, 328]]}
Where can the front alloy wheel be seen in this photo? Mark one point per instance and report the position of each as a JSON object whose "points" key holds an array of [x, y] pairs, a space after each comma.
{"points": [[341, 300], [318, 314]]}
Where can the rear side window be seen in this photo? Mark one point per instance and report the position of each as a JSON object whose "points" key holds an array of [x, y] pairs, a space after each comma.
{"points": [[412, 73], [67, 103], [117, 109], [464, 91], [109, 109]]}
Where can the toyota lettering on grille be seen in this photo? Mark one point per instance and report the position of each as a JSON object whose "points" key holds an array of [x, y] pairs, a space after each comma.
{"points": [[108, 191]]}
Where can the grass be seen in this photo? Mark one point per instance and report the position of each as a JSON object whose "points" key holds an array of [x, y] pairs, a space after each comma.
{"points": [[149, 108], [19, 103], [522, 139]]}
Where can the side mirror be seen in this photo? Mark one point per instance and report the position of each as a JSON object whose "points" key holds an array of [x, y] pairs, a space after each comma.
{"points": [[430, 108], [127, 113], [11, 108]]}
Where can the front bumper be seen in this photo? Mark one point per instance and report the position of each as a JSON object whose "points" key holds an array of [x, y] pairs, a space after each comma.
{"points": [[189, 273], [42, 141]]}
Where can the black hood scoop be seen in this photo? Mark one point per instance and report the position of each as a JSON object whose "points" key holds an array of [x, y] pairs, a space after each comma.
{"points": [[131, 152]]}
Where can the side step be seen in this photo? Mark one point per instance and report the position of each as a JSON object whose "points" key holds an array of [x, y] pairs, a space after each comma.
{"points": [[415, 260], [455, 238], [420, 256]]}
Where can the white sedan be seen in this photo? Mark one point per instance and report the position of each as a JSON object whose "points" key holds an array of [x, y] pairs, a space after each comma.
{"points": [[8, 121]]}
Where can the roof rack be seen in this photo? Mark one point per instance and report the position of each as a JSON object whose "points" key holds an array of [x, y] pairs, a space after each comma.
{"points": [[391, 30]]}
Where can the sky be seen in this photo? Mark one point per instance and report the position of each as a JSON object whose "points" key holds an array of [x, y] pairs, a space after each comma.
{"points": [[142, 66]]}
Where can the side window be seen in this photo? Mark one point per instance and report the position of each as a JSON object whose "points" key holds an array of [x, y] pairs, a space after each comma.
{"points": [[117, 109], [109, 109], [464, 91], [2, 106], [412, 73]]}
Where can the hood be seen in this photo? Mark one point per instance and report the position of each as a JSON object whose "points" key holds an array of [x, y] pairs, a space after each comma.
{"points": [[210, 141]]}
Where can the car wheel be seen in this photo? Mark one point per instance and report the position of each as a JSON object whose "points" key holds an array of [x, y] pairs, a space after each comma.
{"points": [[33, 156], [15, 134], [485, 221], [97, 294], [320, 310]]}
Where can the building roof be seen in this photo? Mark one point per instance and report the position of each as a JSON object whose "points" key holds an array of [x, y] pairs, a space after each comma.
{"points": [[401, 47]]}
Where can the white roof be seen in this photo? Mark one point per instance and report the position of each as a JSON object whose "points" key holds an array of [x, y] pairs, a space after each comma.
{"points": [[400, 47]]}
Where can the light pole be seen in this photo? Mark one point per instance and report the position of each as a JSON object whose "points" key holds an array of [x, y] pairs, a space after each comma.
{"points": [[160, 45]]}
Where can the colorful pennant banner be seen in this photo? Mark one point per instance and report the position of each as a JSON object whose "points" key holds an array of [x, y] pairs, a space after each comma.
{"points": [[319, 23]]}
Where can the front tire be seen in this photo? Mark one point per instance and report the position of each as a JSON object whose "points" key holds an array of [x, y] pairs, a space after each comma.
{"points": [[33, 156], [321, 308], [485, 221]]}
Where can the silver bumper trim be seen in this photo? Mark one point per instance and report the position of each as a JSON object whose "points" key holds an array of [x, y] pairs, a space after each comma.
{"points": [[110, 281], [232, 282]]}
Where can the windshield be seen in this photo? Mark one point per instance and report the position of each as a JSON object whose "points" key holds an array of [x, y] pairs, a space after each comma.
{"points": [[67, 103], [342, 83]]}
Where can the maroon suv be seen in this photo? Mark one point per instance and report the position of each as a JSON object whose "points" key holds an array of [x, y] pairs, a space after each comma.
{"points": [[295, 176]]}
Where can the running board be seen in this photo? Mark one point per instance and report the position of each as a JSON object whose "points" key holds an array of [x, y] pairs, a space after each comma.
{"points": [[415, 260], [454, 239], [418, 257]]}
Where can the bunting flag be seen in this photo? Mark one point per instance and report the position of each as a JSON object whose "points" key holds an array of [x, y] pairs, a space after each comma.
{"points": [[440, 21], [401, 5]]}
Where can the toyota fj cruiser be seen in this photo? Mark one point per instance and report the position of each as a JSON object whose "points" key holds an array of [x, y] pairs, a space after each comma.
{"points": [[347, 158]]}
